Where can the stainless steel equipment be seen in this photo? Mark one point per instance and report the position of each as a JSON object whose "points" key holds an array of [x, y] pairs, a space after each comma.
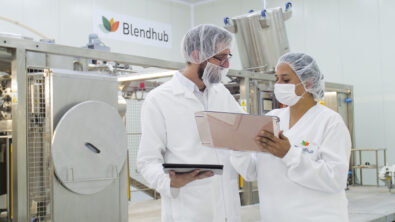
{"points": [[48, 87], [261, 37], [62, 139]]}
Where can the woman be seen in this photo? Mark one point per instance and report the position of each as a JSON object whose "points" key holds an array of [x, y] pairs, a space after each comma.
{"points": [[302, 174]]}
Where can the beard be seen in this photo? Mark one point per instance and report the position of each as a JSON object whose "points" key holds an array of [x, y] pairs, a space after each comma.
{"points": [[201, 70]]}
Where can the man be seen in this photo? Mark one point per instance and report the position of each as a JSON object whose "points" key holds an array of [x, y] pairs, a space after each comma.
{"points": [[170, 135]]}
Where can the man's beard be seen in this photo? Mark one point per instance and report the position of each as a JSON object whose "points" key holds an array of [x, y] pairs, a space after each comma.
{"points": [[201, 70]]}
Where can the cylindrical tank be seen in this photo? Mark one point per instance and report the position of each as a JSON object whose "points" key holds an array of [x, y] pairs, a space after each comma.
{"points": [[261, 37]]}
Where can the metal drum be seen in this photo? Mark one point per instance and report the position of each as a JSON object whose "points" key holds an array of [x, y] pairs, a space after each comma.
{"points": [[261, 37], [89, 147]]}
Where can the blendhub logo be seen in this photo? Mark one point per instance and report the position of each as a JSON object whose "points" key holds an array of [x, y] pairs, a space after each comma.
{"points": [[121, 27], [109, 26], [134, 29]]}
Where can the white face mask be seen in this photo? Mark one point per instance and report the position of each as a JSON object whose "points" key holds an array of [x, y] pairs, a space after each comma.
{"points": [[285, 94], [213, 74]]}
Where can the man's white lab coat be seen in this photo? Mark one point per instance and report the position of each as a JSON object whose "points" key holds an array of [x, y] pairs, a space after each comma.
{"points": [[170, 135]]}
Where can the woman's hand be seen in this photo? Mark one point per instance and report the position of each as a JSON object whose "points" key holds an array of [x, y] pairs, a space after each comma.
{"points": [[279, 147]]}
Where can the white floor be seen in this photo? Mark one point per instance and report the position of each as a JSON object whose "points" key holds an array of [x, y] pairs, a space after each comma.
{"points": [[371, 204], [365, 204]]}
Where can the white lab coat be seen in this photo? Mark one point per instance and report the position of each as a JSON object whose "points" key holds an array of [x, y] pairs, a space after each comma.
{"points": [[170, 135], [308, 183]]}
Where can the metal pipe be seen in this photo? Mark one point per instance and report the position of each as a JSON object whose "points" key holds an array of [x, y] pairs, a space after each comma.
{"points": [[264, 4], [377, 168], [19, 109], [11, 185], [8, 200], [360, 169], [352, 168]]}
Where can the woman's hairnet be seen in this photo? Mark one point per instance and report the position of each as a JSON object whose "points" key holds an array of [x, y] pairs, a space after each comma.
{"points": [[205, 41], [307, 70]]}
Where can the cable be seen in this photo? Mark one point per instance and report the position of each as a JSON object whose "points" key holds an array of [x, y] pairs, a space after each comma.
{"points": [[24, 26]]}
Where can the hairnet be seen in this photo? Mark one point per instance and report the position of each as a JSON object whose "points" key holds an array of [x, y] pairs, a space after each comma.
{"points": [[307, 70], [205, 41]]}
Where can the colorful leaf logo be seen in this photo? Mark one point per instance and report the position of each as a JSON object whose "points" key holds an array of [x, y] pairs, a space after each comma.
{"points": [[109, 26], [305, 143]]}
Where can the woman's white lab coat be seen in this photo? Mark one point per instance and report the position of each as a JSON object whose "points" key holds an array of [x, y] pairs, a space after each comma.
{"points": [[170, 135], [308, 183]]}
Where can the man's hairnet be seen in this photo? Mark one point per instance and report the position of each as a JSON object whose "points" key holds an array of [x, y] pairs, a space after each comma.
{"points": [[205, 41], [308, 72]]}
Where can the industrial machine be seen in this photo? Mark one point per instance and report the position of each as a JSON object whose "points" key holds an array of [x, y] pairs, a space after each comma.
{"points": [[261, 37], [63, 142]]}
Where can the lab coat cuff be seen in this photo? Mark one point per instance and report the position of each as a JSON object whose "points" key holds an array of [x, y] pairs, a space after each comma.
{"points": [[292, 157], [171, 191]]}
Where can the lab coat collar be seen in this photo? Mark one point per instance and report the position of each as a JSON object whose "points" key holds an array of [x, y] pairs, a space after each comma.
{"points": [[180, 88]]}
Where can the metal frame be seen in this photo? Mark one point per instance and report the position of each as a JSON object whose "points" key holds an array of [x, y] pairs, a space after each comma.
{"points": [[19, 207], [49, 115], [8, 156], [361, 166], [28, 45]]}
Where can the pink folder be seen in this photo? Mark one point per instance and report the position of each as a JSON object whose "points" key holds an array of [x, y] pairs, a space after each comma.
{"points": [[234, 131]]}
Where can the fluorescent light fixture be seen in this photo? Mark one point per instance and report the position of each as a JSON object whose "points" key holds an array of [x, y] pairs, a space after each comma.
{"points": [[145, 76]]}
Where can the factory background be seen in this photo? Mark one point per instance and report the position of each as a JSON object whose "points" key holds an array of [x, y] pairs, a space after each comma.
{"points": [[351, 40]]}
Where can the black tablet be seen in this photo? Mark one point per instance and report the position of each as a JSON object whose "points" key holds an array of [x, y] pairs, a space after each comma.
{"points": [[186, 168]]}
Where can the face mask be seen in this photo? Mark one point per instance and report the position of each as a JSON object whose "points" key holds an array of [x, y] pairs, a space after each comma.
{"points": [[285, 94], [213, 74]]}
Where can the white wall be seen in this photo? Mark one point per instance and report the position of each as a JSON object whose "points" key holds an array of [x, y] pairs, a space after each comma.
{"points": [[69, 22]]}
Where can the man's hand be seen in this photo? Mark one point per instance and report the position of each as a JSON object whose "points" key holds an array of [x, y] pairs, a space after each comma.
{"points": [[276, 146], [180, 179]]}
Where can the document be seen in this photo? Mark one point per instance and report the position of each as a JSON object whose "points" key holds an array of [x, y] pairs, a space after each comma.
{"points": [[236, 131]]}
